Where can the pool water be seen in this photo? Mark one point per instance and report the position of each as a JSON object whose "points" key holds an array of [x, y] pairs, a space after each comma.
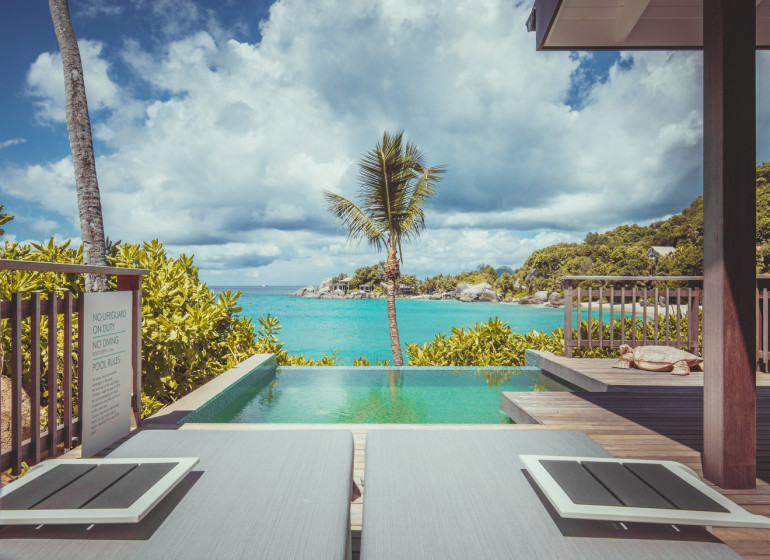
{"points": [[409, 395]]}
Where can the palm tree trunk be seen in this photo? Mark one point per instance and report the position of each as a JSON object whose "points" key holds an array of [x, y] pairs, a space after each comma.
{"points": [[81, 144], [395, 344]]}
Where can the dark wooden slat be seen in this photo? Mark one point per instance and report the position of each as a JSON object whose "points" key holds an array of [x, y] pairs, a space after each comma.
{"points": [[633, 316], [6, 264], [53, 374], [134, 284], [696, 308], [601, 318], [568, 319], [30, 494], [764, 327], [34, 353], [668, 314], [626, 486], [619, 279], [578, 484], [87, 487], [655, 315], [129, 488], [81, 361], [676, 490], [679, 315], [612, 316], [579, 306], [67, 369], [590, 303], [644, 315], [623, 315], [16, 420]]}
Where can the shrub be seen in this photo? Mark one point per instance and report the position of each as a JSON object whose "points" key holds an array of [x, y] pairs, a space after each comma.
{"points": [[189, 335]]}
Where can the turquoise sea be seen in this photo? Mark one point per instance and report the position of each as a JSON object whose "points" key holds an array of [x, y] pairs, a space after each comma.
{"points": [[352, 328]]}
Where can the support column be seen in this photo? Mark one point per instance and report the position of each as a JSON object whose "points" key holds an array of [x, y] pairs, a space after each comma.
{"points": [[729, 192]]}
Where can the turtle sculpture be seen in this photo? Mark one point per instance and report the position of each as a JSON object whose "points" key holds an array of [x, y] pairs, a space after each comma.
{"points": [[658, 358]]}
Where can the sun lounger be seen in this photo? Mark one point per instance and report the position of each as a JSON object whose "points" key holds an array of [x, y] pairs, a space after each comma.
{"points": [[254, 494], [457, 494]]}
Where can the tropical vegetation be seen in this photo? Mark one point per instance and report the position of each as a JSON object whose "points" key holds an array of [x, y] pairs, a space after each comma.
{"points": [[622, 251], [394, 187]]}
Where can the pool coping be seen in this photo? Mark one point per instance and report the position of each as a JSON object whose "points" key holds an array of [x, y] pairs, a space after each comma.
{"points": [[206, 396]]}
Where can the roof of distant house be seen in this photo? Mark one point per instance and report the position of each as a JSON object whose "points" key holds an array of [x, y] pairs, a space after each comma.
{"points": [[661, 250]]}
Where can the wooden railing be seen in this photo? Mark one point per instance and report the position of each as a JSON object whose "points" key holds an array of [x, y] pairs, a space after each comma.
{"points": [[654, 308], [763, 349], [58, 435]]}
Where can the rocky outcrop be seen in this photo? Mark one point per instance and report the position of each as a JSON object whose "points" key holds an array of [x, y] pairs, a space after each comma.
{"points": [[554, 299], [478, 292], [465, 292], [306, 291]]}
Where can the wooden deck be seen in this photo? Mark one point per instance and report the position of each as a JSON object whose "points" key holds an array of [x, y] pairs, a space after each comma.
{"points": [[648, 415], [597, 374]]}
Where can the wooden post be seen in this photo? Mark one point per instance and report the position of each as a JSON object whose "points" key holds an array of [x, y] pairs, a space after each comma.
{"points": [[67, 371], [134, 284], [15, 369], [729, 192], [568, 318], [34, 374], [53, 375]]}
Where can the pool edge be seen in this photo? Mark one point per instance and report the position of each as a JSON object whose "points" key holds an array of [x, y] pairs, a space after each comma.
{"points": [[214, 392]]}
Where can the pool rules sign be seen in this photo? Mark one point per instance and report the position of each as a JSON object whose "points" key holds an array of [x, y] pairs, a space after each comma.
{"points": [[106, 359]]}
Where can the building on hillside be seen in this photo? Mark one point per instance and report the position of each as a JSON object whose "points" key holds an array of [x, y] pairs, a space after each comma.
{"points": [[406, 289], [343, 285], [659, 251], [367, 288]]}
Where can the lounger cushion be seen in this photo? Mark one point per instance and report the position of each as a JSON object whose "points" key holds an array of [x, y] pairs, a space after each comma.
{"points": [[255, 494], [458, 494]]}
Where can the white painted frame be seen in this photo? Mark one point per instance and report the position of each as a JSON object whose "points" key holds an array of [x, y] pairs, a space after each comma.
{"points": [[133, 514], [736, 516]]}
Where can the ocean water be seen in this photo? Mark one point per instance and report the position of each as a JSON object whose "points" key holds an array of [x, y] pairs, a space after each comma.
{"points": [[350, 328]]}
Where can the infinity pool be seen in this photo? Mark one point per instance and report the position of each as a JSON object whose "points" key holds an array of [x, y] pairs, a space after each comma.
{"points": [[408, 395]]}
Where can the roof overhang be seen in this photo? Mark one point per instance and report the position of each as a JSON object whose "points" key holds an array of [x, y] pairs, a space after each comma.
{"points": [[628, 24]]}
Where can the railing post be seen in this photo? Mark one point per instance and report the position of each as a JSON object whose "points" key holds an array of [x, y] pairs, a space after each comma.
{"points": [[134, 284], [16, 427], [34, 373], [568, 318]]}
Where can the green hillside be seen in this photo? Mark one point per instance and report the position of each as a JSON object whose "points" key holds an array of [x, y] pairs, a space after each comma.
{"points": [[622, 251]]}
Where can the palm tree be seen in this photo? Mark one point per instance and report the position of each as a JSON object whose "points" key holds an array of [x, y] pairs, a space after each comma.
{"points": [[81, 144], [394, 188]]}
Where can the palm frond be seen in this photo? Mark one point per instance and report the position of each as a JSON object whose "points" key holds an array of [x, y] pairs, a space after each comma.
{"points": [[359, 226], [413, 221], [394, 188]]}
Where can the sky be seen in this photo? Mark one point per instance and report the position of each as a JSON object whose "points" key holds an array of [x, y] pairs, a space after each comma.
{"points": [[218, 124]]}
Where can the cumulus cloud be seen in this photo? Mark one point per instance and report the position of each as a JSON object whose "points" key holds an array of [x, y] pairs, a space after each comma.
{"points": [[227, 155], [45, 82]]}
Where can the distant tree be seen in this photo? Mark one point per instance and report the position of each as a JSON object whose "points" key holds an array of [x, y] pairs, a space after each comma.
{"points": [[81, 144], [373, 275], [394, 188]]}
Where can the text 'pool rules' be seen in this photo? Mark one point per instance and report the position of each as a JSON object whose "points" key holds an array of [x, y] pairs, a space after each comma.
{"points": [[106, 355]]}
